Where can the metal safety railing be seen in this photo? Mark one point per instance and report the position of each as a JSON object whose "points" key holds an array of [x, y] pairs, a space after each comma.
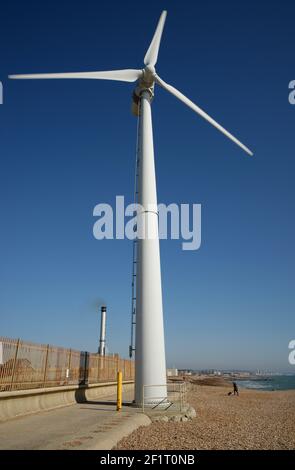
{"points": [[175, 397], [25, 365]]}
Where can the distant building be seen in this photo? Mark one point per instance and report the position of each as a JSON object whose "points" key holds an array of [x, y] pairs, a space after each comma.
{"points": [[172, 372], [208, 372], [184, 372]]}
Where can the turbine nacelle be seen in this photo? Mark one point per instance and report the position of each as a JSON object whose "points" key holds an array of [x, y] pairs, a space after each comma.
{"points": [[145, 83]]}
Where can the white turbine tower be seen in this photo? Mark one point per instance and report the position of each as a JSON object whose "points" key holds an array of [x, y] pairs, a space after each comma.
{"points": [[150, 367]]}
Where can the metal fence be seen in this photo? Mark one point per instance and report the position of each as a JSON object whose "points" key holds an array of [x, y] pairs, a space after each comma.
{"points": [[25, 365], [176, 398]]}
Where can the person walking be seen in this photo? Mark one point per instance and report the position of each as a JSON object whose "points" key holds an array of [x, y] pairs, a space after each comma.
{"points": [[236, 390]]}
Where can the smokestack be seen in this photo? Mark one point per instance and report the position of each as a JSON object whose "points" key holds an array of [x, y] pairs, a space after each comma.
{"points": [[102, 339]]}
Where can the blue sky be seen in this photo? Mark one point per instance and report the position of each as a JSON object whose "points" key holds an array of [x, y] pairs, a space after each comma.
{"points": [[69, 145]]}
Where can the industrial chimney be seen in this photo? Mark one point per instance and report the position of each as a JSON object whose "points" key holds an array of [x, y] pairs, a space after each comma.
{"points": [[102, 339]]}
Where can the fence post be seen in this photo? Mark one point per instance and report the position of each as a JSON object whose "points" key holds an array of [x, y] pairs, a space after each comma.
{"points": [[69, 365], [118, 363], [45, 369], [14, 363], [98, 365], [85, 368]]}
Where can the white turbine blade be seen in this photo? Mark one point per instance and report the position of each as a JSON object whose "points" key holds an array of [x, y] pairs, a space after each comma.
{"points": [[128, 75], [199, 111], [152, 52]]}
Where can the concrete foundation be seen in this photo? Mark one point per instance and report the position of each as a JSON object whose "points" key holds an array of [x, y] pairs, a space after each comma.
{"points": [[187, 413]]}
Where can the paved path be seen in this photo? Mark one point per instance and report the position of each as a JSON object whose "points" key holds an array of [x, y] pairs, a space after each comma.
{"points": [[91, 425]]}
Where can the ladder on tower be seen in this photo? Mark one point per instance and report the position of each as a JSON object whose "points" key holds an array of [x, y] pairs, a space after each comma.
{"points": [[134, 254], [133, 298]]}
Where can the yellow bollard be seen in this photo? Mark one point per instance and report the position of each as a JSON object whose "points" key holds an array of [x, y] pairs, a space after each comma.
{"points": [[119, 390]]}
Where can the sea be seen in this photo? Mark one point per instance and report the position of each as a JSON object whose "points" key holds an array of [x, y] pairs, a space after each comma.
{"points": [[269, 383]]}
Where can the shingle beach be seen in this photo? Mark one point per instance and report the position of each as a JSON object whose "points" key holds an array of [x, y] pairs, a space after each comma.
{"points": [[253, 420]]}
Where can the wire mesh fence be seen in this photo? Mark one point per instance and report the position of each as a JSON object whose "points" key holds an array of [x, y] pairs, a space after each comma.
{"points": [[25, 365]]}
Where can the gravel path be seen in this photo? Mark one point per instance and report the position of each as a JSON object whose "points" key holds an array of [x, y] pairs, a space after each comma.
{"points": [[254, 420]]}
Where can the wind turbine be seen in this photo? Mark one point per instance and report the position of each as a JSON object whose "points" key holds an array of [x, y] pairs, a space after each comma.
{"points": [[150, 366]]}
